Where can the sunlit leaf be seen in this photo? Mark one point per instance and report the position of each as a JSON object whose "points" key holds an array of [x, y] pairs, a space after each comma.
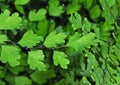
{"points": [[60, 58], [35, 60], [10, 54], [30, 39]]}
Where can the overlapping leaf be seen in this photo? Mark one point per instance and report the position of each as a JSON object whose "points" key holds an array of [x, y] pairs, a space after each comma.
{"points": [[8, 22], [60, 58], [3, 38], [80, 43], [37, 16], [88, 4], [35, 60], [21, 2], [73, 7], [22, 80], [41, 76], [54, 39], [95, 12], [55, 9], [10, 54], [75, 19], [84, 81], [30, 39], [97, 76]]}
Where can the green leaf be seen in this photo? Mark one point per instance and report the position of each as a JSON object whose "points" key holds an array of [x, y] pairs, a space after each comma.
{"points": [[80, 43], [17, 69], [2, 73], [20, 9], [108, 16], [60, 58], [30, 39], [8, 22], [2, 82], [21, 2], [22, 80], [97, 76], [107, 3], [35, 60], [114, 55], [96, 30], [88, 4], [43, 28], [61, 82], [75, 19], [73, 7], [86, 26], [42, 76], [54, 39], [108, 13], [3, 38], [10, 54], [54, 8], [10, 78], [84, 81], [95, 12], [37, 16], [52, 25], [91, 62], [105, 30], [115, 11]]}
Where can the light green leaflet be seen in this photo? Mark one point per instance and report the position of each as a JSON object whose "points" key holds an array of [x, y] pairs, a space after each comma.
{"points": [[80, 43], [37, 16], [54, 39], [104, 4], [35, 60], [8, 22], [21, 2], [95, 12], [75, 20], [54, 8], [30, 39], [43, 27], [10, 54], [22, 80], [3, 38], [84, 81], [97, 76], [73, 7], [88, 3], [60, 58]]}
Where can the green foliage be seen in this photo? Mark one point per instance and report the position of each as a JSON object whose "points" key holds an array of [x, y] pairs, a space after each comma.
{"points": [[59, 42], [42, 28], [84, 81], [54, 8], [58, 56], [54, 39], [10, 54], [73, 7], [82, 42], [40, 15], [9, 22], [30, 39], [95, 12], [22, 80], [75, 19], [21, 2], [3, 38], [41, 77], [88, 4], [35, 59]]}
